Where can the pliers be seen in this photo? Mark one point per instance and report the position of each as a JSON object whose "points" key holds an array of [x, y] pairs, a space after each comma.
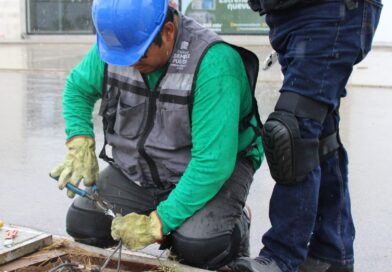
{"points": [[103, 205]]}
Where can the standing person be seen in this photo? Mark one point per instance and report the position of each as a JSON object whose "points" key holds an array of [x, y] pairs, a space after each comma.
{"points": [[317, 42], [181, 120]]}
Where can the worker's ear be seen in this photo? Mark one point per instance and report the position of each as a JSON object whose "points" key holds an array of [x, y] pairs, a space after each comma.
{"points": [[168, 32]]}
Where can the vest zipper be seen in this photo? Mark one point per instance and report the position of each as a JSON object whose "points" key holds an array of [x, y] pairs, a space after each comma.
{"points": [[152, 107]]}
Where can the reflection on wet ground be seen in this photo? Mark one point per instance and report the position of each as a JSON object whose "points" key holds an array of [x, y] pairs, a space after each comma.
{"points": [[32, 142]]}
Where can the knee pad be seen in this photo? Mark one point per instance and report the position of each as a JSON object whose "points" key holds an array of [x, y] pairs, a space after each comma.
{"points": [[291, 158], [208, 253], [88, 226]]}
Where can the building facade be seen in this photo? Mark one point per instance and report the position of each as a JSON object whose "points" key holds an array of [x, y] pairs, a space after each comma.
{"points": [[22, 20]]}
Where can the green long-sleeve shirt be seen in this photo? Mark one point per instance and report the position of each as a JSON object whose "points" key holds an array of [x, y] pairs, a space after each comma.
{"points": [[222, 97]]}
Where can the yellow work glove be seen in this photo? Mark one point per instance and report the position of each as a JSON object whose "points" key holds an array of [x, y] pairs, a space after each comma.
{"points": [[80, 163], [137, 230]]}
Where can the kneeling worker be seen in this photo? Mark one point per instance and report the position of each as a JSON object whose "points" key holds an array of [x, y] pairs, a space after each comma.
{"points": [[181, 120]]}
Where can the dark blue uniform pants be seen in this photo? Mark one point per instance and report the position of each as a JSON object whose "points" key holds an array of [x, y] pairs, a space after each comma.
{"points": [[318, 46]]}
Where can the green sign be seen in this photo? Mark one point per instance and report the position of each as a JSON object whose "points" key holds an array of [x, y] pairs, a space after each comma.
{"points": [[225, 16]]}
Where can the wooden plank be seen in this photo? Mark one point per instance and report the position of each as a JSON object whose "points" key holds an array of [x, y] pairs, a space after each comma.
{"points": [[141, 258], [26, 242], [64, 246], [33, 259]]}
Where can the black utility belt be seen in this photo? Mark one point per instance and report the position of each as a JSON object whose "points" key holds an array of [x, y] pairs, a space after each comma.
{"points": [[266, 6]]}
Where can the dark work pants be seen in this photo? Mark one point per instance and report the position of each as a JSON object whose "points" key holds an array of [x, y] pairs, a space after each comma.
{"points": [[318, 45], [212, 237]]}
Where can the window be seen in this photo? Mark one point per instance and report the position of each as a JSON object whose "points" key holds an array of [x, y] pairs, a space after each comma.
{"points": [[74, 16], [225, 16], [59, 17]]}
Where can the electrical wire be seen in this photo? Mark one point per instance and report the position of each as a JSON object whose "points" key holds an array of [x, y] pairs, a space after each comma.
{"points": [[118, 248], [62, 266], [119, 257]]}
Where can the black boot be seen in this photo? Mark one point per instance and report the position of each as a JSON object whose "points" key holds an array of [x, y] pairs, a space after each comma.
{"points": [[314, 265], [259, 264], [345, 268]]}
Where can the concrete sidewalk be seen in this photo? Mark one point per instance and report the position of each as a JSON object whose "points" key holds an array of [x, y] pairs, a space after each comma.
{"points": [[375, 70]]}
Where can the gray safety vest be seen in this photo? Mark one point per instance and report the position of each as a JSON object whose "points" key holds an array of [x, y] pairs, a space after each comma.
{"points": [[150, 130]]}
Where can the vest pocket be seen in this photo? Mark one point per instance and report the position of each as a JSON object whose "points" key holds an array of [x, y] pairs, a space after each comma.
{"points": [[129, 120], [174, 128]]}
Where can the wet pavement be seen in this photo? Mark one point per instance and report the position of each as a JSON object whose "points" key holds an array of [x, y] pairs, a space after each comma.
{"points": [[32, 142]]}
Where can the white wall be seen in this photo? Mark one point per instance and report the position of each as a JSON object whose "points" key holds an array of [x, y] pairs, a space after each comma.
{"points": [[10, 20], [384, 31]]}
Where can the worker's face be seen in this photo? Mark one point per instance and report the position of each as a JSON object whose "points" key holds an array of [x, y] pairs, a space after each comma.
{"points": [[157, 56]]}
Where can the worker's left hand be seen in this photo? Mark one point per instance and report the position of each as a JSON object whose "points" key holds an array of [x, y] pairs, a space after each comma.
{"points": [[137, 230], [79, 164]]}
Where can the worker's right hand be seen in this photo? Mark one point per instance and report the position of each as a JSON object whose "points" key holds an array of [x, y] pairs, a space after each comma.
{"points": [[80, 163], [137, 231]]}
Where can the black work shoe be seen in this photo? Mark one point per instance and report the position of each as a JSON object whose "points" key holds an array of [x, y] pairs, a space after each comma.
{"points": [[259, 264], [314, 265], [345, 268]]}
